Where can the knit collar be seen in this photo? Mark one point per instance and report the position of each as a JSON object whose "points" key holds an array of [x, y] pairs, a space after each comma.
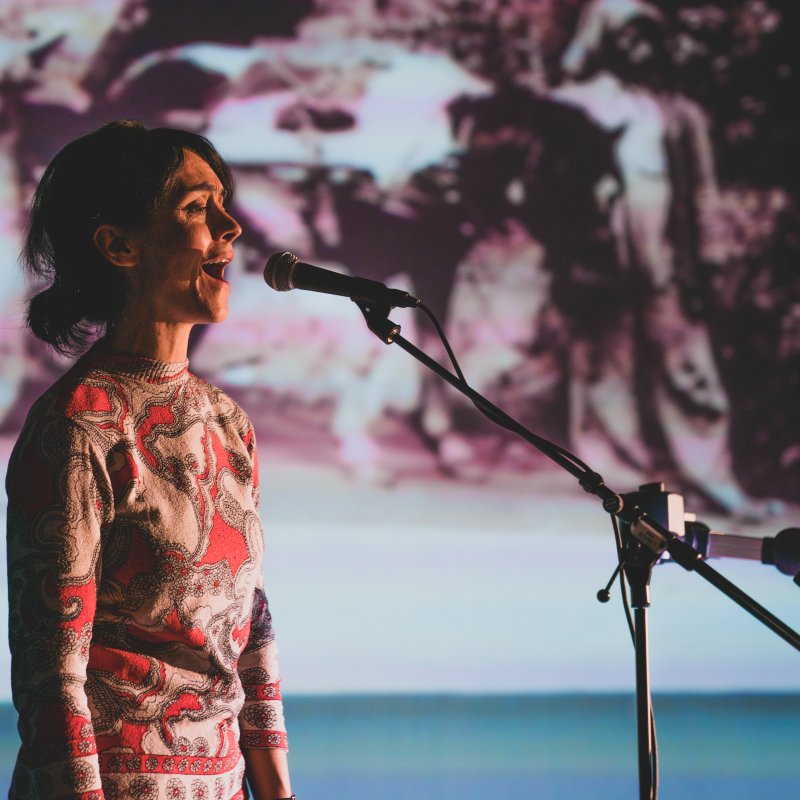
{"points": [[132, 365]]}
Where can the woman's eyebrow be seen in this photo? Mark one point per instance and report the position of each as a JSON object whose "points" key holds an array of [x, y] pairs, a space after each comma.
{"points": [[180, 191], [203, 186]]}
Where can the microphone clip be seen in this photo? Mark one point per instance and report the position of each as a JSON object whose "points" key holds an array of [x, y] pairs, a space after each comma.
{"points": [[377, 317]]}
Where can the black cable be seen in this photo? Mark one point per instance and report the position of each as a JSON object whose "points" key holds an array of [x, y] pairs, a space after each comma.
{"points": [[549, 447], [654, 754], [504, 421], [440, 331], [622, 585]]}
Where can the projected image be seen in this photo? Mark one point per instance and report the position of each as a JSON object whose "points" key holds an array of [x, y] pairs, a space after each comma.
{"points": [[598, 199], [568, 189]]}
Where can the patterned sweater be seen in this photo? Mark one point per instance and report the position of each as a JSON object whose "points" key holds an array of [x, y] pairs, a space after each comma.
{"points": [[143, 657]]}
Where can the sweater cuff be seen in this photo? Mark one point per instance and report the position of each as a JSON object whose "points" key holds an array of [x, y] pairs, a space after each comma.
{"points": [[73, 779]]}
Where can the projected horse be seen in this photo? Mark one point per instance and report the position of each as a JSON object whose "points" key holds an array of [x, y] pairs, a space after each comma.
{"points": [[510, 240]]}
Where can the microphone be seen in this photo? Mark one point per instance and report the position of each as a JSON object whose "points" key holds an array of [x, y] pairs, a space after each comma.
{"points": [[284, 271]]}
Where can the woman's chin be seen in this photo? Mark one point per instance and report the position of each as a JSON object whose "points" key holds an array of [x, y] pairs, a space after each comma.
{"points": [[215, 304], [214, 314]]}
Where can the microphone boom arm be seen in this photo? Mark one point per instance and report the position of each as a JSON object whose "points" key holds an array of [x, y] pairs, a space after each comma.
{"points": [[644, 528]]}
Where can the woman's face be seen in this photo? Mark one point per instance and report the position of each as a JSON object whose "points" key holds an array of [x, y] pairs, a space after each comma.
{"points": [[182, 254]]}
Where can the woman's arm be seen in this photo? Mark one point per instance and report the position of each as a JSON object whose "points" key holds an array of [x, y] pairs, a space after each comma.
{"points": [[268, 774], [59, 499], [261, 724]]}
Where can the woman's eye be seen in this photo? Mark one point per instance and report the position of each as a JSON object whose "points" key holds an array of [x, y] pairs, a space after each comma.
{"points": [[195, 208]]}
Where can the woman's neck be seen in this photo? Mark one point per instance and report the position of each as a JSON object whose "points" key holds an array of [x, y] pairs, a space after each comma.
{"points": [[157, 340]]}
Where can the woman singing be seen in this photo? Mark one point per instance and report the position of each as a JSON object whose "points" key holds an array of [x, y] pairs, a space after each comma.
{"points": [[143, 660]]}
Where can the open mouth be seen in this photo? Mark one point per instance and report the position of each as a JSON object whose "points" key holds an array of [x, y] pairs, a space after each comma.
{"points": [[215, 269]]}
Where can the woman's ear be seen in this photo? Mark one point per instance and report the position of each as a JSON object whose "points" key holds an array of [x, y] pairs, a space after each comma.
{"points": [[115, 245]]}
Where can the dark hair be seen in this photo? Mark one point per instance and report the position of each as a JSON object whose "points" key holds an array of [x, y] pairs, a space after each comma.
{"points": [[118, 174]]}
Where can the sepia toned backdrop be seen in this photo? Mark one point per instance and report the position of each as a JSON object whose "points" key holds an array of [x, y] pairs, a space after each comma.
{"points": [[599, 201]]}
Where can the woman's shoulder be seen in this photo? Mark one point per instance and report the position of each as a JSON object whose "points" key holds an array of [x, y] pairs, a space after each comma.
{"points": [[219, 398], [82, 400], [225, 409], [52, 435], [82, 389]]}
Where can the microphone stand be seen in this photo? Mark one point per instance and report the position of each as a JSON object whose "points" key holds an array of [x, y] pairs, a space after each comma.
{"points": [[649, 538]]}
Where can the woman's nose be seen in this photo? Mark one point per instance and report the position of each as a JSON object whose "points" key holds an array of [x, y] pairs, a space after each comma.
{"points": [[227, 228]]}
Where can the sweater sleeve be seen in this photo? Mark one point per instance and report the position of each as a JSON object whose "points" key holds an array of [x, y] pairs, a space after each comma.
{"points": [[59, 500], [261, 721]]}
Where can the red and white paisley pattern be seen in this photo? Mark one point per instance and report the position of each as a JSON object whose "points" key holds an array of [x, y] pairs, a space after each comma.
{"points": [[143, 659]]}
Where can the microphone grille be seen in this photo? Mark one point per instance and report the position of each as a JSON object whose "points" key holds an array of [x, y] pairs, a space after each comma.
{"points": [[278, 272]]}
